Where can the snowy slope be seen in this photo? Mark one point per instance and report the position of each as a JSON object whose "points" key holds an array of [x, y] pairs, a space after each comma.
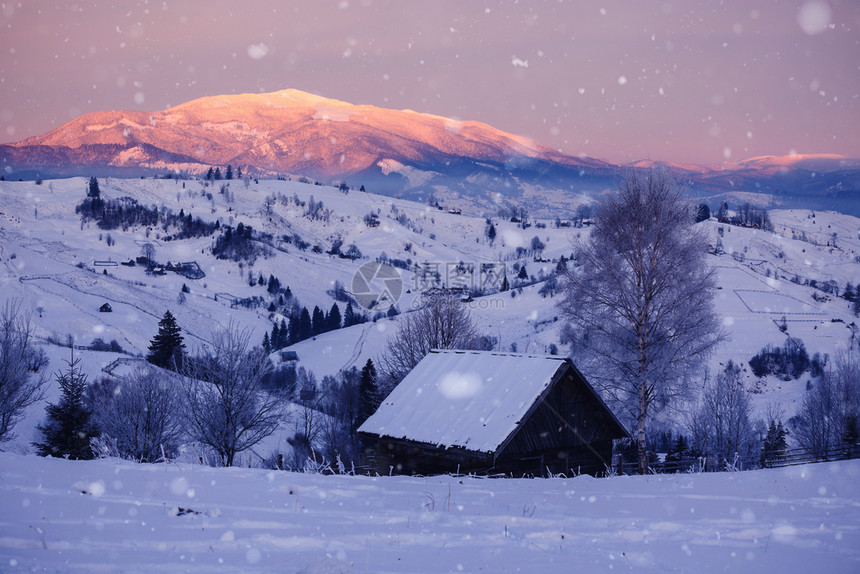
{"points": [[42, 244], [117, 516]]}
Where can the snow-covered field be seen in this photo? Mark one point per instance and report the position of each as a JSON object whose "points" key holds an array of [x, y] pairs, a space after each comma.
{"points": [[117, 516]]}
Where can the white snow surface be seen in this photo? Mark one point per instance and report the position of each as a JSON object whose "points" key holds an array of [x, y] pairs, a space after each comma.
{"points": [[116, 516], [469, 399]]}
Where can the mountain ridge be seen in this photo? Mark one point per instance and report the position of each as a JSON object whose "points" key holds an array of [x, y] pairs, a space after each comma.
{"points": [[291, 132]]}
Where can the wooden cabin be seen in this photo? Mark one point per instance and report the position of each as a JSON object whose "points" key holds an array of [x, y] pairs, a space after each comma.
{"points": [[485, 412], [105, 308]]}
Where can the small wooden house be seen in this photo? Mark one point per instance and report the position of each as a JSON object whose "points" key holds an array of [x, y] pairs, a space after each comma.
{"points": [[486, 412], [106, 308]]}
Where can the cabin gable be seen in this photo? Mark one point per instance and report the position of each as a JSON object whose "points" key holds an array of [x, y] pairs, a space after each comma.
{"points": [[569, 430]]}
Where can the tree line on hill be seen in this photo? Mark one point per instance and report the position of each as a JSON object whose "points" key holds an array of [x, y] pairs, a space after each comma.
{"points": [[125, 212], [215, 173], [304, 325]]}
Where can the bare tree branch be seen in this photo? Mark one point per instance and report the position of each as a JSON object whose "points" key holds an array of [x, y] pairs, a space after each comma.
{"points": [[442, 323]]}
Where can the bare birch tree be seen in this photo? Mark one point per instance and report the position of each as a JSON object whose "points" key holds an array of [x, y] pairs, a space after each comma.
{"points": [[639, 298], [227, 406], [442, 323], [21, 382]]}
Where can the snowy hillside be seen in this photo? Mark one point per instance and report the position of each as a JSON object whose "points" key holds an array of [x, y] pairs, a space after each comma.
{"points": [[117, 516], [64, 271]]}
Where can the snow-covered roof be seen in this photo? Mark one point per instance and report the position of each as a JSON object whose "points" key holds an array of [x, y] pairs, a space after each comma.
{"points": [[469, 399]]}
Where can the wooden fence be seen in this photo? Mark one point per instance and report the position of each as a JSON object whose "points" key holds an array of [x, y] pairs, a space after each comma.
{"points": [[793, 456], [787, 457]]}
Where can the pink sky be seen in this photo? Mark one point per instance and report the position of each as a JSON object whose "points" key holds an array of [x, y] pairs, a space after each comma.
{"points": [[681, 80]]}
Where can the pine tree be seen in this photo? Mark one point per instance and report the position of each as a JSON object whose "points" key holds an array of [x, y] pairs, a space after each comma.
{"points": [[305, 326], [775, 443], [275, 339], [229, 171], [284, 337], [93, 188], [293, 335], [523, 274], [318, 322], [680, 451], [333, 318], [349, 318], [67, 430], [505, 286], [267, 345], [368, 390], [166, 348]]}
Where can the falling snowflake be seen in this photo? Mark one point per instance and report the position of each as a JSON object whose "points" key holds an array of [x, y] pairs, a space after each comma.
{"points": [[257, 51]]}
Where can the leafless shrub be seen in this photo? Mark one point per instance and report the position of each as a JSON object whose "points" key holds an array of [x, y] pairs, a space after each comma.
{"points": [[22, 379], [227, 407]]}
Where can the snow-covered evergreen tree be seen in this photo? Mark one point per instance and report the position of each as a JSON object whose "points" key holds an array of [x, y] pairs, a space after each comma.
{"points": [[166, 348], [67, 430]]}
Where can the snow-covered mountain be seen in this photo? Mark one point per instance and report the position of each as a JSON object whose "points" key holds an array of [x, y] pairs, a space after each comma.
{"points": [[396, 152], [293, 132]]}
